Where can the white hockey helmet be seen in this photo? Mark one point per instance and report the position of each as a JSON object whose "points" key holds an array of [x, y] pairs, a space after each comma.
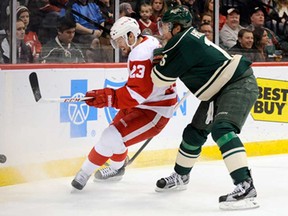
{"points": [[121, 28]]}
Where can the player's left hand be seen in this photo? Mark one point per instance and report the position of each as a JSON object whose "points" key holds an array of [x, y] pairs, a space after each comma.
{"points": [[157, 55], [101, 97]]}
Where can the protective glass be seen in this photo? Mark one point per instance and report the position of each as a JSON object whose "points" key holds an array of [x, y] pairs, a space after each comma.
{"points": [[163, 27]]}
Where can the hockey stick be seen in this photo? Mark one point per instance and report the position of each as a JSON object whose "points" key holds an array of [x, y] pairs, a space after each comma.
{"points": [[38, 97], [148, 140]]}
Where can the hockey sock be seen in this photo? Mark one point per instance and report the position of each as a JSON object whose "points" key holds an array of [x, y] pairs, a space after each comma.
{"points": [[118, 160], [97, 158], [232, 150], [189, 150], [186, 158]]}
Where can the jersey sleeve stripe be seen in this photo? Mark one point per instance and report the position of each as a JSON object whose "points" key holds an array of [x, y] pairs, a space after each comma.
{"points": [[161, 80], [219, 79]]}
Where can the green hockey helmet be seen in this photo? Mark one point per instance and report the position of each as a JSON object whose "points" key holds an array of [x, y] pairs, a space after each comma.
{"points": [[178, 15]]}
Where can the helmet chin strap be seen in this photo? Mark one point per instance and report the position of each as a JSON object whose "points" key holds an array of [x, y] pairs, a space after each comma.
{"points": [[127, 42]]}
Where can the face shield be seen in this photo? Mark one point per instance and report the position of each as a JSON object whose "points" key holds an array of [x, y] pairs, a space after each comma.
{"points": [[164, 28], [118, 42], [123, 41]]}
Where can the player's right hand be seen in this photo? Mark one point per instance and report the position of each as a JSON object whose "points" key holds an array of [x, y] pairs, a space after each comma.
{"points": [[101, 97]]}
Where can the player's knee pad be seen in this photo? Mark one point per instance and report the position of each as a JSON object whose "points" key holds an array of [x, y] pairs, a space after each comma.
{"points": [[223, 132], [110, 142], [194, 137]]}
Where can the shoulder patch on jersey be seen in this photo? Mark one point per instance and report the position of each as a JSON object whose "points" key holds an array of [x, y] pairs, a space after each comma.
{"points": [[196, 33]]}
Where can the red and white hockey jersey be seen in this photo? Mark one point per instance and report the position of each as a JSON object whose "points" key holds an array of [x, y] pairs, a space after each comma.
{"points": [[139, 90]]}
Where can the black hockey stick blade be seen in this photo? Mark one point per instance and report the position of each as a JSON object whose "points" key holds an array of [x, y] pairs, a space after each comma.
{"points": [[35, 86]]}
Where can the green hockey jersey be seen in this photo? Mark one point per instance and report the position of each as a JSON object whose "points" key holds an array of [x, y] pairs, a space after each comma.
{"points": [[200, 64]]}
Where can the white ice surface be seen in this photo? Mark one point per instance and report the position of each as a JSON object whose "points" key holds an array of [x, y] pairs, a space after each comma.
{"points": [[135, 194]]}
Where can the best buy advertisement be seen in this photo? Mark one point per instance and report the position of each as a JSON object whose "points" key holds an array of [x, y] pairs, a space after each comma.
{"points": [[271, 104]]}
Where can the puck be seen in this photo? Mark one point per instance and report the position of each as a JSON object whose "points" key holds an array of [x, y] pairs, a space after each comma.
{"points": [[2, 158]]}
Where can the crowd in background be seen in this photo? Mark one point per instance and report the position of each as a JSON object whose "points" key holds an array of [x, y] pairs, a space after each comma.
{"points": [[77, 31]]}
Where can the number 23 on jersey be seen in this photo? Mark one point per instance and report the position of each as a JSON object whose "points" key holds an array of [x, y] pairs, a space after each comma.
{"points": [[137, 71]]}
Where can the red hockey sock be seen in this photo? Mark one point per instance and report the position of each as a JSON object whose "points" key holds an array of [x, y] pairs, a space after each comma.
{"points": [[119, 157], [97, 158]]}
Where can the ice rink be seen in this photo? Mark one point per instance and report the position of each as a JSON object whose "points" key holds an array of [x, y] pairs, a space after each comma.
{"points": [[135, 195]]}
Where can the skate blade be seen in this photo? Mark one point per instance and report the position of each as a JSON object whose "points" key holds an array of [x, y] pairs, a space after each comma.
{"points": [[112, 179], [175, 188], [75, 190], [248, 203]]}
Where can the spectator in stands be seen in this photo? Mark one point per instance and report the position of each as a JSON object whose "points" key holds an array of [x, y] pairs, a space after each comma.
{"points": [[87, 33], [282, 9], [206, 18], [43, 18], [106, 9], [159, 7], [62, 49], [261, 39], [125, 9], [257, 18], [242, 5], [245, 46], [4, 5], [278, 22], [200, 5], [229, 32], [51, 5], [209, 8], [23, 54], [5, 45], [31, 38], [145, 24], [135, 5], [207, 29]]}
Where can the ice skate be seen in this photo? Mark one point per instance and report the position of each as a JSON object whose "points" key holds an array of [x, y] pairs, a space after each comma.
{"points": [[80, 180], [110, 174], [172, 182], [243, 197]]}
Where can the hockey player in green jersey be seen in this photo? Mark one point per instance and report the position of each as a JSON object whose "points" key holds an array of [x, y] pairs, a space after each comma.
{"points": [[227, 89]]}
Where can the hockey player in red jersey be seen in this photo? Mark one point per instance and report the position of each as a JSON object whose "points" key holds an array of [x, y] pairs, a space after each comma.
{"points": [[144, 108]]}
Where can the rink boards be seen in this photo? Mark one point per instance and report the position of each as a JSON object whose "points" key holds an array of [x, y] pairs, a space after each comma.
{"points": [[43, 140]]}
